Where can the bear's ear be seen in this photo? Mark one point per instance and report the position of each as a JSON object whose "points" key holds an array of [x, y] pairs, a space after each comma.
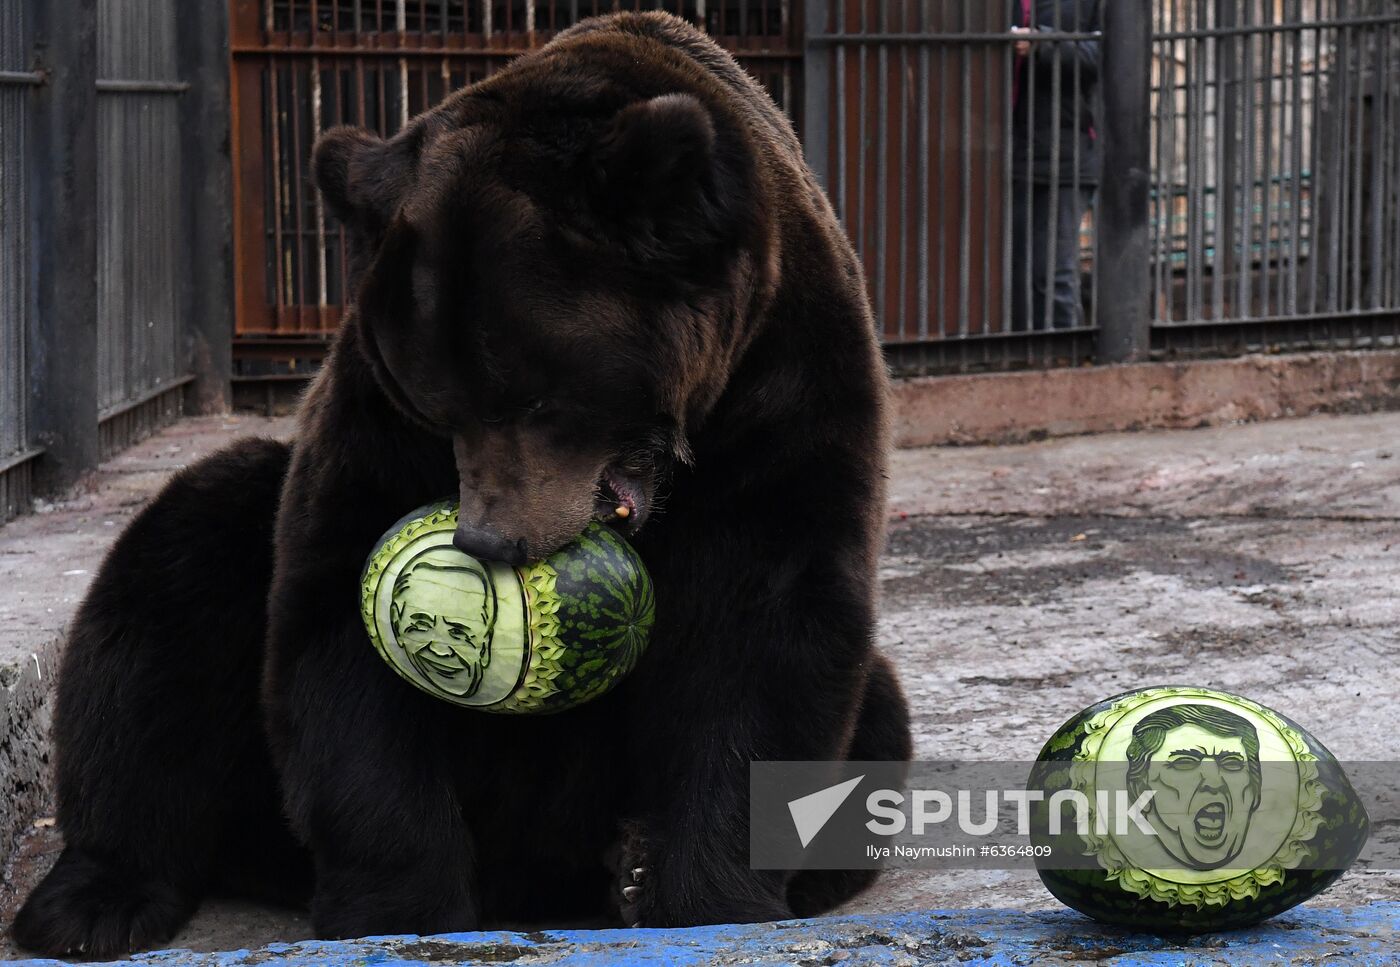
{"points": [[362, 177], [655, 158]]}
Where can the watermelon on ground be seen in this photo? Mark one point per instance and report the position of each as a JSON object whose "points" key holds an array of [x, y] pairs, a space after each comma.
{"points": [[1246, 813]]}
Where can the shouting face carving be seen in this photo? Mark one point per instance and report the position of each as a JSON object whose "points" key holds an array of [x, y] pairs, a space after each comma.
{"points": [[1202, 765]]}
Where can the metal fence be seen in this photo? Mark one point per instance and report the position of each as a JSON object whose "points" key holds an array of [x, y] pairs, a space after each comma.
{"points": [[1276, 151], [1248, 149], [16, 450], [302, 66], [141, 360], [950, 146], [114, 269]]}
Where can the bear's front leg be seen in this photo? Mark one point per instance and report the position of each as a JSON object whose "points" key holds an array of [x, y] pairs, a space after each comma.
{"points": [[721, 688], [366, 786]]}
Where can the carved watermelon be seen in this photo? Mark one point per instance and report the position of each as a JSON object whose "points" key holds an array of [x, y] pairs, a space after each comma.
{"points": [[1246, 814], [543, 637]]}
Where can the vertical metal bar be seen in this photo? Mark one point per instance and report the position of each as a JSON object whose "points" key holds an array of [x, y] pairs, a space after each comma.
{"points": [[1359, 206], [317, 126], [924, 106], [882, 152], [1008, 190], [1053, 209], [1178, 102], [401, 26], [1266, 140], [1195, 174], [1162, 174], [298, 294], [1382, 188], [841, 120], [61, 344], [1028, 91], [1094, 216], [281, 300], [1295, 204], [1077, 125], [905, 96], [1124, 332], [861, 212], [1224, 134], [1338, 262], [964, 184], [986, 52], [1394, 260], [1278, 91], [1244, 309], [941, 182], [16, 174], [1313, 253]]}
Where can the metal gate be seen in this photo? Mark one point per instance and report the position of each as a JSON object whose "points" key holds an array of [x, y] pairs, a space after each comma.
{"points": [[16, 449], [914, 131], [1276, 147], [302, 66], [141, 359], [1252, 201], [115, 270]]}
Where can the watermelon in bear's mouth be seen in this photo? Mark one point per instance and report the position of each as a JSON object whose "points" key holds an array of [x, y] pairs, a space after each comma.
{"points": [[543, 636]]}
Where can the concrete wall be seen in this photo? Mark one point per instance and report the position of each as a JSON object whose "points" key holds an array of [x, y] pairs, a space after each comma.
{"points": [[1015, 407]]}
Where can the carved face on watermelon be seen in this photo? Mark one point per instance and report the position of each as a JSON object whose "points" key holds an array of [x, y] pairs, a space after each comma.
{"points": [[447, 629], [549, 277], [1202, 765]]}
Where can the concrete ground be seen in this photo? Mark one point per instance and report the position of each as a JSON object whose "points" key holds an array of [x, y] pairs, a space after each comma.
{"points": [[1021, 584]]}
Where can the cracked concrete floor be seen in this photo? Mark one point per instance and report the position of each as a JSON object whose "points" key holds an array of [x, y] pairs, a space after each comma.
{"points": [[1024, 583]]}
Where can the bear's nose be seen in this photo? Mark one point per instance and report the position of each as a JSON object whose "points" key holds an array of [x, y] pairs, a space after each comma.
{"points": [[486, 545]]}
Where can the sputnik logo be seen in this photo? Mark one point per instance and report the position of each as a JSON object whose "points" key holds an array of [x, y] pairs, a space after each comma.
{"points": [[813, 811]]}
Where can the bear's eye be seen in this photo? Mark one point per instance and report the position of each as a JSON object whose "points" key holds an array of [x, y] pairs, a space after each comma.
{"points": [[531, 406]]}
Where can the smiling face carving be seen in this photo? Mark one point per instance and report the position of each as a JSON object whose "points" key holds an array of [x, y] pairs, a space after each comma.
{"points": [[1202, 764], [443, 615]]}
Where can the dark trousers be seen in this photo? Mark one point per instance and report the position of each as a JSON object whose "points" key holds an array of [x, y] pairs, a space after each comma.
{"points": [[1031, 219]]}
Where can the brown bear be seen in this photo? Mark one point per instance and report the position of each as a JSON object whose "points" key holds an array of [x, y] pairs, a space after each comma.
{"points": [[602, 277]]}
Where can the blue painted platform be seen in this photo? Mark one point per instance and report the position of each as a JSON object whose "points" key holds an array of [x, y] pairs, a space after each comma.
{"points": [[1361, 935]]}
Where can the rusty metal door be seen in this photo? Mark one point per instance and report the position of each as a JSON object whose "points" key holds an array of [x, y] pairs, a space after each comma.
{"points": [[302, 66]]}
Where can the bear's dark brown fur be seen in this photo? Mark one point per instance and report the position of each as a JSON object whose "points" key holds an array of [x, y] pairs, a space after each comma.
{"points": [[603, 275]]}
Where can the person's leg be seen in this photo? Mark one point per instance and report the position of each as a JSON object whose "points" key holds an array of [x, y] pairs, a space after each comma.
{"points": [[1030, 244], [1072, 204], [1020, 262]]}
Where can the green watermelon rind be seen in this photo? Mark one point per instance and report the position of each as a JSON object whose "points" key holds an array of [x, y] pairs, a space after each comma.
{"points": [[572, 657], [593, 636], [1096, 892]]}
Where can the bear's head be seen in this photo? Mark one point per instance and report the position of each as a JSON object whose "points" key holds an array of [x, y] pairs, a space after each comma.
{"points": [[553, 269]]}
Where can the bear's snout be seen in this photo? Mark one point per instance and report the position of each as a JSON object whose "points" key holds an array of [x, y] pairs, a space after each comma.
{"points": [[486, 545]]}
